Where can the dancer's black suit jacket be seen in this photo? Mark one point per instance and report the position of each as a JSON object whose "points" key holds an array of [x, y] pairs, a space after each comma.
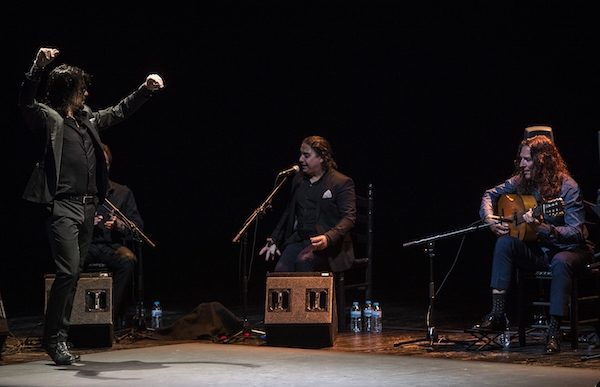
{"points": [[48, 125]]}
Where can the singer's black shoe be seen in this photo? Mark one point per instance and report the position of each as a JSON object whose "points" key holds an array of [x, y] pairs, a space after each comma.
{"points": [[553, 344], [492, 322], [60, 354]]}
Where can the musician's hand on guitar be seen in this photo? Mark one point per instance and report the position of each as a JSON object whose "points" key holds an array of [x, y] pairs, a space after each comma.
{"points": [[498, 228], [270, 250], [110, 223], [529, 218], [120, 226]]}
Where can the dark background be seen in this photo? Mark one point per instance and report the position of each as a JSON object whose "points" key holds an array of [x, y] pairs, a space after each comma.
{"points": [[427, 103]]}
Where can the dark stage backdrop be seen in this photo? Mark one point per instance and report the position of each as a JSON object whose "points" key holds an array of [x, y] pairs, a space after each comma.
{"points": [[426, 103]]}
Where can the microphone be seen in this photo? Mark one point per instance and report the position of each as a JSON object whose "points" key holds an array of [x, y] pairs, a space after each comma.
{"points": [[292, 169]]}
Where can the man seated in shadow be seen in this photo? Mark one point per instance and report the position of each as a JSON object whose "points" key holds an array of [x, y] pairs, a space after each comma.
{"points": [[110, 240]]}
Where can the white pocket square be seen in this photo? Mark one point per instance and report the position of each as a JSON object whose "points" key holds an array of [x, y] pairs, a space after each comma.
{"points": [[327, 194]]}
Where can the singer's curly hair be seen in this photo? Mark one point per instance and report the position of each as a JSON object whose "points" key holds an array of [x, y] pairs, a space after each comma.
{"points": [[323, 149], [63, 83], [548, 170]]}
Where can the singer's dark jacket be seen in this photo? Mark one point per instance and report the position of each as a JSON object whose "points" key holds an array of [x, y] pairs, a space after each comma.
{"points": [[48, 124], [336, 215]]}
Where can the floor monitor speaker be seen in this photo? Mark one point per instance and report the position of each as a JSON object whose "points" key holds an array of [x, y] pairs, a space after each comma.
{"points": [[91, 318], [300, 310]]}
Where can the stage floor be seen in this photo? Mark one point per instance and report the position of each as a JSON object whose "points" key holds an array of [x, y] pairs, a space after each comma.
{"points": [[201, 363], [400, 355]]}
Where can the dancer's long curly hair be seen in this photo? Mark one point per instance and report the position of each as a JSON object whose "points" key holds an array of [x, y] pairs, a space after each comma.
{"points": [[63, 83]]}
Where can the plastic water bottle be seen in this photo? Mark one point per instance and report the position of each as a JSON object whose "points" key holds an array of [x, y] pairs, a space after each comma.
{"points": [[367, 316], [156, 315], [376, 316], [355, 321]]}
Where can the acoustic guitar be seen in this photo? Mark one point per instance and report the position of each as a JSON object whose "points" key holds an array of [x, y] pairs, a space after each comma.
{"points": [[511, 208]]}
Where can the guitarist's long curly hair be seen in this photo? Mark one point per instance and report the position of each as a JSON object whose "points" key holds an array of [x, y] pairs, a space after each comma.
{"points": [[548, 170]]}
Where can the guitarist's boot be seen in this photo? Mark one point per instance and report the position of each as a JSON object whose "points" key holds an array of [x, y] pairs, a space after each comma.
{"points": [[554, 335], [496, 319]]}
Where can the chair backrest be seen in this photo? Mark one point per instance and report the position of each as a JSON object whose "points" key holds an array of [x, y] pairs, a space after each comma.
{"points": [[363, 236], [363, 229], [592, 223], [359, 277], [537, 131]]}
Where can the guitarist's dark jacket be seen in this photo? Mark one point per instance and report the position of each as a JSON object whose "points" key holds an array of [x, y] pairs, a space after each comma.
{"points": [[564, 232]]}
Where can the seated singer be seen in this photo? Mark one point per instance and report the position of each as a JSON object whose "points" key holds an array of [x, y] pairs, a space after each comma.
{"points": [[313, 232], [560, 241], [111, 237]]}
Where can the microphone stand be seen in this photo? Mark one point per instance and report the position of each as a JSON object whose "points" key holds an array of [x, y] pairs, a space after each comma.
{"points": [[138, 237], [242, 236], [432, 336]]}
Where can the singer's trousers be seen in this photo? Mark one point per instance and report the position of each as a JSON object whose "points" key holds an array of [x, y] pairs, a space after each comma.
{"points": [[300, 257], [510, 253]]}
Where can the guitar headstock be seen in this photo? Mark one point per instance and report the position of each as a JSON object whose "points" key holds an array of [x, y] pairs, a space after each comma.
{"points": [[552, 208]]}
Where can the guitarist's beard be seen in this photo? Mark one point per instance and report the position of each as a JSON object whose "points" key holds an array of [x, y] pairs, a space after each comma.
{"points": [[525, 186]]}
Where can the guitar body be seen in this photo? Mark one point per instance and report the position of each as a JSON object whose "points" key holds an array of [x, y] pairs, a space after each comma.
{"points": [[514, 206]]}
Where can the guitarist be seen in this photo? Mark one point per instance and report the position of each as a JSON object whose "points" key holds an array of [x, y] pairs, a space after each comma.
{"points": [[560, 246]]}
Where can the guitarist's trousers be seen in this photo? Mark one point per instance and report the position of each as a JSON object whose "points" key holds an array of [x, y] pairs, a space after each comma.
{"points": [[511, 253]]}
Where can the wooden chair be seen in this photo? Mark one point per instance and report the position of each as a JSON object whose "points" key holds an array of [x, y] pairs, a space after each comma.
{"points": [[358, 280]]}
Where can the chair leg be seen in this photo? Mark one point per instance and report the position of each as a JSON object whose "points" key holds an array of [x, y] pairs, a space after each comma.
{"points": [[522, 310], [340, 301], [574, 316]]}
